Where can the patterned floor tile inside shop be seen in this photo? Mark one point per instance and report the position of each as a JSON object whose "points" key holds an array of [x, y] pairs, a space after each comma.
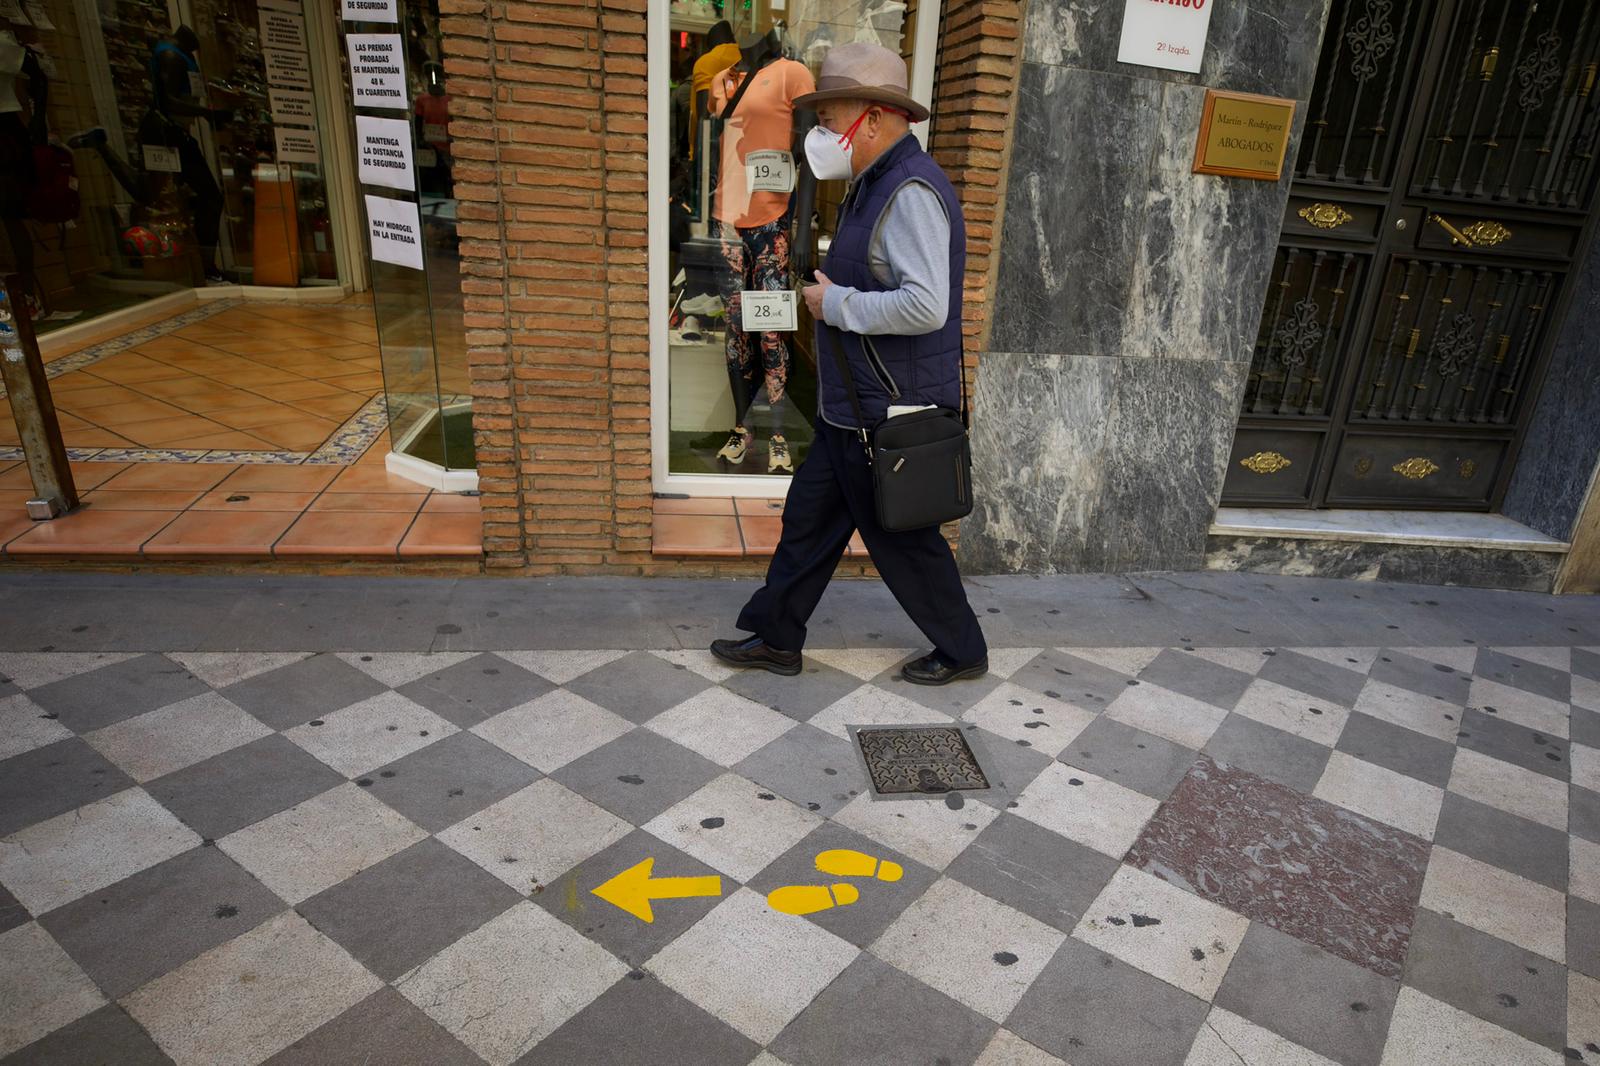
{"points": [[1191, 856]]}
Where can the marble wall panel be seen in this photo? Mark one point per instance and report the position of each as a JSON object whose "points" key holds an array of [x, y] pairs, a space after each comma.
{"points": [[1421, 565]]}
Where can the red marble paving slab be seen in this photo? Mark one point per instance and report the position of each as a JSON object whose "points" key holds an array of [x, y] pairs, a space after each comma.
{"points": [[1303, 866]]}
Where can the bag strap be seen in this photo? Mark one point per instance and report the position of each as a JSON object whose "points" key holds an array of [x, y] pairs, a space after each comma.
{"points": [[827, 332], [738, 94]]}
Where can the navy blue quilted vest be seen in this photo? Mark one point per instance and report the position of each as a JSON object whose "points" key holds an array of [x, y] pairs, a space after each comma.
{"points": [[889, 369]]}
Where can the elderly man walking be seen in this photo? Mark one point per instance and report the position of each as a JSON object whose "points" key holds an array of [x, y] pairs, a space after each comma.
{"points": [[889, 298]]}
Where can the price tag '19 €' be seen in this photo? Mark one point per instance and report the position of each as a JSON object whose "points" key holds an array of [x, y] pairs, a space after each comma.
{"points": [[767, 312], [770, 171]]}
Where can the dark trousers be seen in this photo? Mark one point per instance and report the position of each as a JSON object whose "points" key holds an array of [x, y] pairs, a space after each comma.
{"points": [[830, 498]]}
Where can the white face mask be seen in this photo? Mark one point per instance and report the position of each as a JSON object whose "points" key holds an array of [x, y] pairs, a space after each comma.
{"points": [[829, 155]]}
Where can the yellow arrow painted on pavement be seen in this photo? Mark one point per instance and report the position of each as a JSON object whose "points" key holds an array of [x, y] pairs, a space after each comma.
{"points": [[634, 888]]}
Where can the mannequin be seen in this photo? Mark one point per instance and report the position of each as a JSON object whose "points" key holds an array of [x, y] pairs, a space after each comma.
{"points": [[722, 52], [754, 224]]}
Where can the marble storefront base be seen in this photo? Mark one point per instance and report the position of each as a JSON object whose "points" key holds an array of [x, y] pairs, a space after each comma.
{"points": [[1472, 567]]}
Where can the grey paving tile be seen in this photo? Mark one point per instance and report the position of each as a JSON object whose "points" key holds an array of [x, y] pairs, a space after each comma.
{"points": [[880, 903], [1130, 757], [448, 781], [640, 1022], [1326, 681], [809, 767], [1485, 976], [1537, 678], [1585, 727], [12, 912], [479, 688], [1405, 751], [1586, 663], [1302, 993], [638, 686], [401, 912], [817, 686], [1272, 753], [1062, 676], [874, 1013], [1501, 839], [53, 780], [240, 787], [1197, 678], [1418, 675], [1010, 766], [383, 1028], [106, 1037], [1509, 742], [1583, 936], [1091, 1009], [101, 697], [571, 898], [155, 921], [295, 694], [638, 775], [1583, 813], [1042, 874], [954, 699]]}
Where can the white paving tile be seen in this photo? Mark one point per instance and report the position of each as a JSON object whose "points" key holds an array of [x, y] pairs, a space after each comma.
{"points": [[55, 861], [41, 988], [699, 662], [1381, 794], [1003, 662], [1585, 766], [396, 668], [560, 667], [372, 733], [1293, 712], [1245, 660], [553, 730], [1128, 661], [23, 726], [870, 705], [721, 725], [1510, 788], [1168, 714], [1524, 708], [318, 843], [1584, 878], [535, 835], [1583, 1011], [925, 829], [754, 969], [1424, 1030], [219, 669], [864, 663], [1364, 657], [1009, 1049], [1161, 929], [247, 999], [512, 982], [29, 670], [1412, 710], [974, 949], [1017, 713], [1497, 902], [728, 826], [1229, 1040], [178, 735], [1094, 812]]}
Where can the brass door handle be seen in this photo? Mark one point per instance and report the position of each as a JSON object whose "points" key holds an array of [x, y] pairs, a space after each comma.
{"points": [[1456, 236]]}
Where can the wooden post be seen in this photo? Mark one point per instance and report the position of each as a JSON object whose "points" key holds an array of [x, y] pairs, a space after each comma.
{"points": [[28, 389]]}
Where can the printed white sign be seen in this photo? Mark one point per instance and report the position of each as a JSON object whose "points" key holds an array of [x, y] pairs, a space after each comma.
{"points": [[161, 160], [288, 70], [283, 30], [767, 312], [292, 107], [769, 171], [395, 231], [371, 11], [37, 15], [1165, 33], [297, 146], [383, 152], [378, 70]]}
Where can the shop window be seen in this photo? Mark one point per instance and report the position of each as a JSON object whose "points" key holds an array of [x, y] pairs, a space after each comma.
{"points": [[743, 218]]}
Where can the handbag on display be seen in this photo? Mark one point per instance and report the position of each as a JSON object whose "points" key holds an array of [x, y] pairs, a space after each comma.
{"points": [[921, 461]]}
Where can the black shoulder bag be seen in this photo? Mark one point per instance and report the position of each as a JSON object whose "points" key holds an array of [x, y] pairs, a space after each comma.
{"points": [[921, 462]]}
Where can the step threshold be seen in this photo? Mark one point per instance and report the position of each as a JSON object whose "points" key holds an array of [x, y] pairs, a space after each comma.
{"points": [[1445, 529]]}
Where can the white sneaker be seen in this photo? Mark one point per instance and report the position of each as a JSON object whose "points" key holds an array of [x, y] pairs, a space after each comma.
{"points": [[778, 461], [704, 306], [738, 445]]}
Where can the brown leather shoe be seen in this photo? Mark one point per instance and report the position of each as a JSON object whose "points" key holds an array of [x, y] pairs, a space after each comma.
{"points": [[755, 653], [933, 669]]}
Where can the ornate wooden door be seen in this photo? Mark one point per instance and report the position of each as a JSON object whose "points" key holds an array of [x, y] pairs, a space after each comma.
{"points": [[1441, 199]]}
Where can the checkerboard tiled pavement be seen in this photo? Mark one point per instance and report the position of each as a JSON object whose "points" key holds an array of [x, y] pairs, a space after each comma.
{"points": [[1195, 856]]}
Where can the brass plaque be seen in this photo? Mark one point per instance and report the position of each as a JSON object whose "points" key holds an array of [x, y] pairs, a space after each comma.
{"points": [[1243, 135]]}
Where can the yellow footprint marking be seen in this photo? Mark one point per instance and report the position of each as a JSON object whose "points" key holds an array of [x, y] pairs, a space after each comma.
{"points": [[809, 899], [844, 862]]}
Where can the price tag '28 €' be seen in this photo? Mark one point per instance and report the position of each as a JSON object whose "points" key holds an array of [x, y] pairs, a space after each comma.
{"points": [[767, 312], [770, 171]]}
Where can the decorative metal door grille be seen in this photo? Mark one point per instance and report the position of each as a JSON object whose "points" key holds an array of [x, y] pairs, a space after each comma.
{"points": [[1440, 198]]}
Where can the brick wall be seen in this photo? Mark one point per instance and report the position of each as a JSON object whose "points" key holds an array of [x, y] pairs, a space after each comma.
{"points": [[549, 131]]}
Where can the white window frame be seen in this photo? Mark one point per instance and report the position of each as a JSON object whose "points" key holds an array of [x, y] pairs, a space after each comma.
{"points": [[657, 25]]}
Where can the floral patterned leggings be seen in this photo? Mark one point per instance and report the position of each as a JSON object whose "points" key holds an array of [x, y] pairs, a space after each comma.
{"points": [[756, 258]]}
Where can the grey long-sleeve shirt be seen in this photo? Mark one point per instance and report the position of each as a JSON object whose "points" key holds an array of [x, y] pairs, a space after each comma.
{"points": [[910, 255]]}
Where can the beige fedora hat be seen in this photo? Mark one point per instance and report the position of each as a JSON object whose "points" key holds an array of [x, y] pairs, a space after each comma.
{"points": [[864, 72]]}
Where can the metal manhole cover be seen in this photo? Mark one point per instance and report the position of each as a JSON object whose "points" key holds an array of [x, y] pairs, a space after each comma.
{"points": [[926, 759]]}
